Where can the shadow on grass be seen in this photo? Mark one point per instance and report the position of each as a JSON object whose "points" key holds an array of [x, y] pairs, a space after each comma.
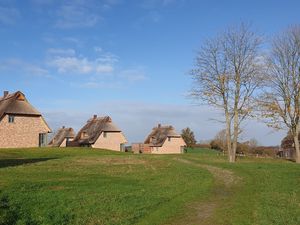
{"points": [[17, 162]]}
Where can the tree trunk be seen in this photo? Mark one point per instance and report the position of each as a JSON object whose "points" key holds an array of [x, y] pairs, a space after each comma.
{"points": [[296, 144], [235, 136], [228, 136], [236, 115]]}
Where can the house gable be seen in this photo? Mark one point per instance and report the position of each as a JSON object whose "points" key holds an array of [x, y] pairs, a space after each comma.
{"points": [[110, 140], [21, 125], [22, 132], [165, 140], [62, 136], [100, 132]]}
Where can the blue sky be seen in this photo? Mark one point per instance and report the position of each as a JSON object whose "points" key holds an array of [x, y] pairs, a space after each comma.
{"points": [[127, 59]]}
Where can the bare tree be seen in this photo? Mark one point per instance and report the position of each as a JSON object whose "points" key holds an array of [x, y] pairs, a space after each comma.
{"points": [[253, 143], [226, 75], [220, 141], [280, 103]]}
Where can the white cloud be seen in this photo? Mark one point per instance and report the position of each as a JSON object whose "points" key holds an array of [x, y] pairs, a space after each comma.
{"points": [[155, 4], [98, 49], [9, 15], [79, 13], [82, 13], [133, 75], [101, 71], [104, 68], [66, 61], [151, 16], [24, 67], [61, 51], [72, 65], [73, 40], [43, 2], [36, 70], [154, 10], [98, 84], [108, 58]]}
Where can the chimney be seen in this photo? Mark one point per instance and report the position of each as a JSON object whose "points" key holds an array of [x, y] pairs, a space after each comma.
{"points": [[63, 127], [5, 93], [95, 117], [159, 125]]}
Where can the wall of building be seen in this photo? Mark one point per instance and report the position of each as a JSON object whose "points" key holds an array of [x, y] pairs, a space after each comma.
{"points": [[64, 143], [112, 141], [174, 146], [22, 133]]}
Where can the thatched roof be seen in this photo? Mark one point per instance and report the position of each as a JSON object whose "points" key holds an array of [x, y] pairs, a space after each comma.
{"points": [[16, 104], [93, 129], [60, 136], [159, 134]]}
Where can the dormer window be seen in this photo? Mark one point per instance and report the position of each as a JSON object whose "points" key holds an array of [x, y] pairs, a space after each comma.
{"points": [[21, 97], [84, 134], [11, 119]]}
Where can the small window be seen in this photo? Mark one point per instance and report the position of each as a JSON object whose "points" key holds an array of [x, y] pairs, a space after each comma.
{"points": [[169, 138], [84, 134], [11, 119], [105, 134]]}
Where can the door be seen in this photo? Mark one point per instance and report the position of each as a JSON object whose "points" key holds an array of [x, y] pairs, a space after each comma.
{"points": [[122, 147], [181, 149], [42, 139]]}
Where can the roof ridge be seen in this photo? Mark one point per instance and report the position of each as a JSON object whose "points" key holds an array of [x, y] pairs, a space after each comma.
{"points": [[9, 96]]}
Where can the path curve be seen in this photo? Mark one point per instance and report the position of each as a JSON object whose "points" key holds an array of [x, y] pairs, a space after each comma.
{"points": [[203, 211]]}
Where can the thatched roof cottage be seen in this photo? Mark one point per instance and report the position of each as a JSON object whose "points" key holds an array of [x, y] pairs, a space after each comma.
{"points": [[21, 125], [164, 140], [62, 137], [100, 132], [161, 140]]}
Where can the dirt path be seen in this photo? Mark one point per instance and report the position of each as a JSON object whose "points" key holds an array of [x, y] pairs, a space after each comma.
{"points": [[201, 213]]}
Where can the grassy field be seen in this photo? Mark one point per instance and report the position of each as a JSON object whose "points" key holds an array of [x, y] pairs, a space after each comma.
{"points": [[92, 186]]}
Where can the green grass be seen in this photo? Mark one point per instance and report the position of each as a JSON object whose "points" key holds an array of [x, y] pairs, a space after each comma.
{"points": [[268, 192], [92, 186], [85, 186]]}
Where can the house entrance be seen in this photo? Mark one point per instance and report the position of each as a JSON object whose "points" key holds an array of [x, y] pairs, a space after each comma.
{"points": [[42, 139], [181, 149]]}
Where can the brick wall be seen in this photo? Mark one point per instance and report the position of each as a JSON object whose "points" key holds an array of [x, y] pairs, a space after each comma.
{"points": [[22, 133], [140, 148]]}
